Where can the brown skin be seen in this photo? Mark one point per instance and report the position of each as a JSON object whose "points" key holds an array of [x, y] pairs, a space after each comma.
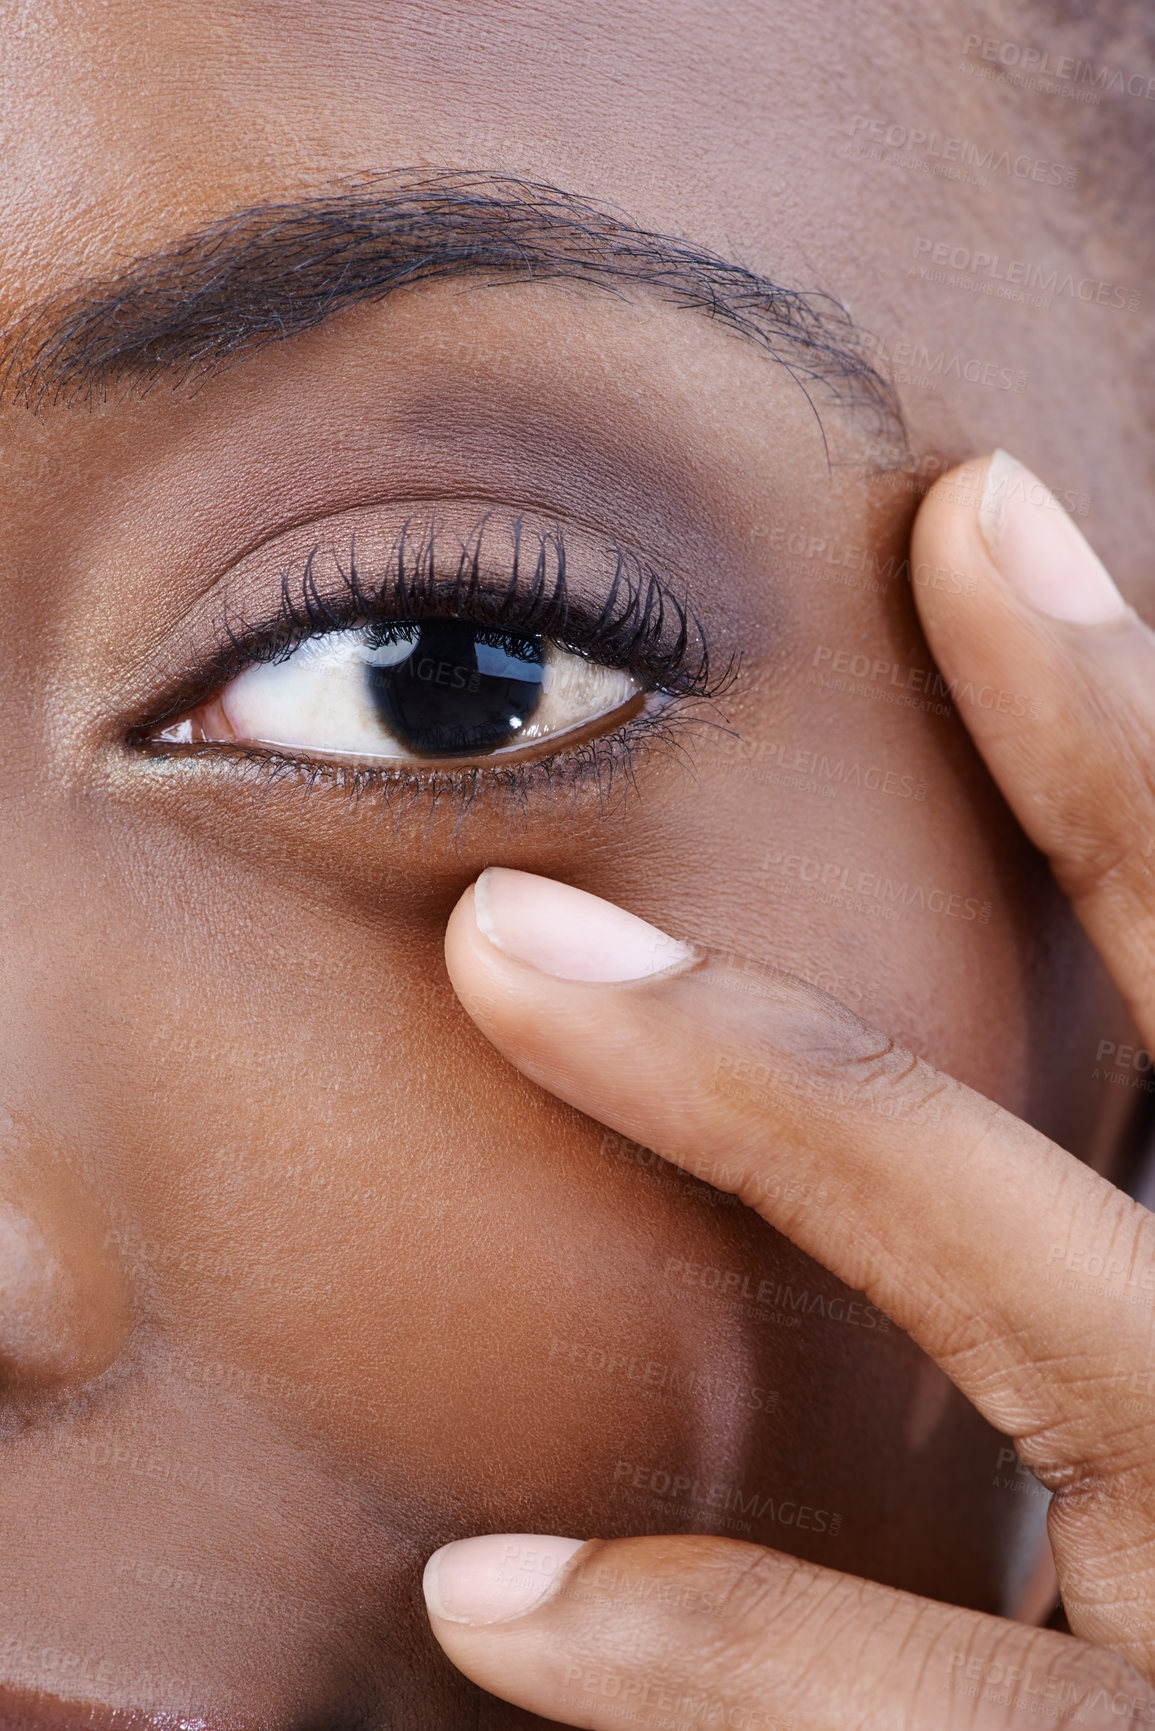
{"points": [[302, 1280], [1028, 1277]]}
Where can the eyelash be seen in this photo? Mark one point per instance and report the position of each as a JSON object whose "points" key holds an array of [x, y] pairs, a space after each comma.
{"points": [[641, 627]]}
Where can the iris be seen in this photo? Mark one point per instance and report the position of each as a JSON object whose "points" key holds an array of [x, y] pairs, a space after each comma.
{"points": [[446, 687]]}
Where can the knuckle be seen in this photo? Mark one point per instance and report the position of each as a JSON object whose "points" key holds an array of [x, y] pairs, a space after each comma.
{"points": [[1099, 842], [771, 1598], [1096, 865], [864, 1070]]}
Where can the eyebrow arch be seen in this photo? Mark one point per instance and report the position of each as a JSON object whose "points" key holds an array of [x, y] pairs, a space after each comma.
{"points": [[264, 273]]}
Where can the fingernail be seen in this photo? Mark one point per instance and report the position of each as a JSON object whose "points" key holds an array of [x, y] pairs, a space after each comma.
{"points": [[1039, 551], [567, 932], [494, 1578]]}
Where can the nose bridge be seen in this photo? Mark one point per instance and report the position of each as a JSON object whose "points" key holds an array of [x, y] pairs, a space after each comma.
{"points": [[65, 1306]]}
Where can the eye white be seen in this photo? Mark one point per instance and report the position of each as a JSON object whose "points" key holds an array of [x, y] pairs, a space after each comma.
{"points": [[317, 699]]}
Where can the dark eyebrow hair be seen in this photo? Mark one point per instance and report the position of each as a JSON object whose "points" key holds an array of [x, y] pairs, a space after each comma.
{"points": [[265, 273]]}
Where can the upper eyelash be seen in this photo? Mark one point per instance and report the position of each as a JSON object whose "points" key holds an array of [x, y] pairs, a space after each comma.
{"points": [[641, 625]]}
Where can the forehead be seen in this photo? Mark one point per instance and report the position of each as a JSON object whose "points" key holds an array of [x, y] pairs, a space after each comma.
{"points": [[130, 122]]}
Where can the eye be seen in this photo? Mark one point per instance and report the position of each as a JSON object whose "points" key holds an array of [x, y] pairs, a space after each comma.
{"points": [[417, 691]]}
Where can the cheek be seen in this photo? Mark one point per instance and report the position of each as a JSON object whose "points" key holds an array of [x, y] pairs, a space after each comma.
{"points": [[408, 1260], [426, 1262], [347, 1213], [356, 1225], [405, 1257]]}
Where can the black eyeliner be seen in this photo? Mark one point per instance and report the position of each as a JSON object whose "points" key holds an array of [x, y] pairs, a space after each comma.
{"points": [[641, 626]]}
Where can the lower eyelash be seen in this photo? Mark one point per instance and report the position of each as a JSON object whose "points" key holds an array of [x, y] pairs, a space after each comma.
{"points": [[604, 766]]}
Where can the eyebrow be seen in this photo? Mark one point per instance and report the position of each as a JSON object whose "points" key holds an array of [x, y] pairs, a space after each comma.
{"points": [[267, 272]]}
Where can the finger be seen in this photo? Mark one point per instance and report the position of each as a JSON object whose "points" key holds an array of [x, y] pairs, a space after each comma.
{"points": [[1055, 678], [947, 1211], [681, 1632], [955, 1218]]}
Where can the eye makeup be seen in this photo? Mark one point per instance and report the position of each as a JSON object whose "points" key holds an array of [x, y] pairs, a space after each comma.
{"points": [[444, 656]]}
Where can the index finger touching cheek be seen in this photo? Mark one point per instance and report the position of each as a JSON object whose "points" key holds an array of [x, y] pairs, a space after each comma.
{"points": [[949, 1213], [690, 1631]]}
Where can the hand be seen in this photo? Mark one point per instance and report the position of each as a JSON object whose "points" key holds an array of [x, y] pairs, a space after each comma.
{"points": [[650, 1037]]}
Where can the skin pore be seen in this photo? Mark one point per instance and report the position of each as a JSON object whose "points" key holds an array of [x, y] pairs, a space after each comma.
{"points": [[300, 1279]]}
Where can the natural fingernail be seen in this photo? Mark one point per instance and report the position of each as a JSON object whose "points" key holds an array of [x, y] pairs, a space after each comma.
{"points": [[491, 1579], [567, 932], [1039, 551]]}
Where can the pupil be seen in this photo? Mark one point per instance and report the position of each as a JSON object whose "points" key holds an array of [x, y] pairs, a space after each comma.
{"points": [[447, 688]]}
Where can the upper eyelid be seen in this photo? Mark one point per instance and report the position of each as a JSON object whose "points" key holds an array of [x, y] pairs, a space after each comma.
{"points": [[641, 619], [536, 597]]}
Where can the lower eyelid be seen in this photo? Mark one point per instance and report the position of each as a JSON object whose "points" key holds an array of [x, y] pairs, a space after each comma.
{"points": [[642, 705], [591, 762]]}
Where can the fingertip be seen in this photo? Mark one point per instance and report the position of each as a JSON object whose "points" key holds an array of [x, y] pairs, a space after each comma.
{"points": [[991, 527], [469, 955], [952, 574], [1039, 551], [946, 541], [565, 933], [495, 1577]]}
